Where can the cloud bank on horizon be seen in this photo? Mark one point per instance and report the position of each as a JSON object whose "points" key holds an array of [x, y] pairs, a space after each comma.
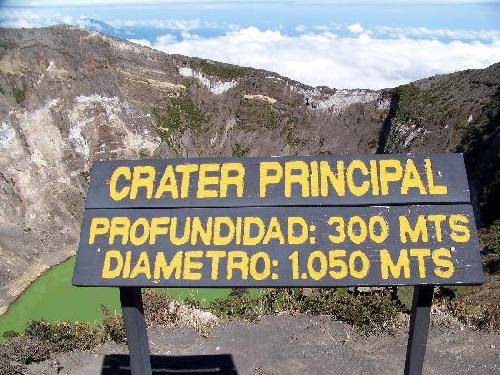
{"points": [[351, 54], [317, 59]]}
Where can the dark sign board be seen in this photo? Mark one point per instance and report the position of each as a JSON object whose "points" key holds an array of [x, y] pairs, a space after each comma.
{"points": [[372, 220], [285, 181], [279, 246]]}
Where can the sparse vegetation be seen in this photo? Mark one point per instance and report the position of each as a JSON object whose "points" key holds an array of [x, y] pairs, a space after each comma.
{"points": [[480, 129], [221, 70], [178, 114], [252, 114], [42, 338], [368, 313], [19, 94], [292, 140], [85, 175], [290, 133], [239, 150], [489, 239], [407, 96], [477, 306], [373, 144], [405, 296]]}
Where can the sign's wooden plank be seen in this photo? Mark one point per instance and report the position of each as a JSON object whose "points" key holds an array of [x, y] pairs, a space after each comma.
{"points": [[279, 181], [279, 247]]}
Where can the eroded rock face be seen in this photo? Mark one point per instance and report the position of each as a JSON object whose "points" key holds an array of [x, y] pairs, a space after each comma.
{"points": [[70, 97]]}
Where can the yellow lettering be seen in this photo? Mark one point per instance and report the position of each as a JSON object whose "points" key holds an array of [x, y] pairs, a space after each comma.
{"points": [[411, 179], [99, 226], [266, 271], [186, 170], [168, 183], [433, 189], [419, 233], [459, 229], [164, 270], [158, 227], [142, 267], [107, 271], [143, 177], [204, 181], [293, 238], [421, 254], [357, 190], [219, 237], [266, 178], [120, 226], [237, 260], [387, 266], [216, 255], [301, 178], [390, 171], [139, 237], [328, 178], [117, 173], [232, 174], [191, 267], [442, 260]]}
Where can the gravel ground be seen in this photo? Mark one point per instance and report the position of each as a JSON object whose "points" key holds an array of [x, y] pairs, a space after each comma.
{"points": [[290, 345]]}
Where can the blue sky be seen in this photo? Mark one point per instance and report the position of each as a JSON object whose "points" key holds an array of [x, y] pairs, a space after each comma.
{"points": [[335, 43]]}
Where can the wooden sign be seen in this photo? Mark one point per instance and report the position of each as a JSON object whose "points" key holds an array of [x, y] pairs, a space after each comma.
{"points": [[372, 220]]}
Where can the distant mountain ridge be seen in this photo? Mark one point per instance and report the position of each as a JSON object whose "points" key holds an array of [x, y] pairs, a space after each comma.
{"points": [[69, 97]]}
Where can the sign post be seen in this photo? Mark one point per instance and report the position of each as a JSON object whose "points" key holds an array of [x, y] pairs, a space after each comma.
{"points": [[419, 328], [372, 220], [135, 327]]}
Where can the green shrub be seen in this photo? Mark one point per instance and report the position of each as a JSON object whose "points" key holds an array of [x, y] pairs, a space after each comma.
{"points": [[476, 310], [368, 312], [24, 350], [240, 150], [177, 114], [236, 305], [290, 300], [114, 326], [10, 334], [67, 336], [19, 94], [85, 175], [254, 114], [489, 238], [221, 70], [405, 296]]}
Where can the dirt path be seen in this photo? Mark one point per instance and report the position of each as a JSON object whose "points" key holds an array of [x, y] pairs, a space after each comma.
{"points": [[292, 345]]}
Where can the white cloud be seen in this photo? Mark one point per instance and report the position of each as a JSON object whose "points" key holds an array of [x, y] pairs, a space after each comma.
{"points": [[168, 24], [343, 62], [424, 32], [28, 18], [355, 28], [300, 28]]}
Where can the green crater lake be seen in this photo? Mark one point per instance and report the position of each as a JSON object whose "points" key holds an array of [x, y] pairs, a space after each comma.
{"points": [[52, 297]]}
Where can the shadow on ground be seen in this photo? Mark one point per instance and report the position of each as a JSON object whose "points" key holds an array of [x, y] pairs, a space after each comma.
{"points": [[119, 364]]}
